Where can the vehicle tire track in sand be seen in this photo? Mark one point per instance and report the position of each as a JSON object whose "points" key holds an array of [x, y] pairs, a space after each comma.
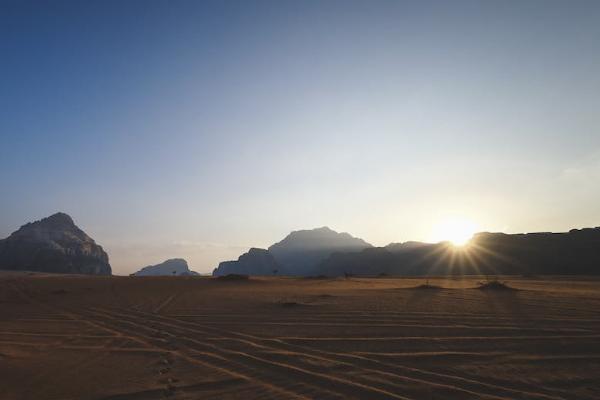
{"points": [[151, 394], [216, 362], [424, 376], [547, 392], [319, 354], [73, 315], [449, 382], [167, 301], [253, 365], [21, 290]]}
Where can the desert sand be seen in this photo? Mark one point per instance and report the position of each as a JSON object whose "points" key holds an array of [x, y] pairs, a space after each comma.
{"points": [[83, 337]]}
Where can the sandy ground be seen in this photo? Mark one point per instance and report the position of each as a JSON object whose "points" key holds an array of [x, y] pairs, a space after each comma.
{"points": [[75, 337]]}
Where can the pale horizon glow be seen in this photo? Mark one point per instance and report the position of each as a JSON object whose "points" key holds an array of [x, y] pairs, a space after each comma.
{"points": [[456, 230], [200, 129]]}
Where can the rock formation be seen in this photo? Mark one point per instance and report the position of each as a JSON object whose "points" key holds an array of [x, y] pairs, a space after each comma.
{"points": [[53, 244], [301, 252], [574, 253], [172, 267], [254, 262]]}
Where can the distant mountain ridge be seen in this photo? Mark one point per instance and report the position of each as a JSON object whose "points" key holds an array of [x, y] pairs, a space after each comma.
{"points": [[299, 253], [53, 244], [404, 246], [323, 251], [576, 252], [56, 244], [171, 267]]}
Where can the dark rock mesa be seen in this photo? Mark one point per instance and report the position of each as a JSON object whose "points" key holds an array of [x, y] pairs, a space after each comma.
{"points": [[172, 267], [574, 253], [254, 262], [53, 244]]}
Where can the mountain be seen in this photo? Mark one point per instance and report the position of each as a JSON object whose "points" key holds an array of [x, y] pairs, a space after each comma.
{"points": [[254, 262], [172, 267], [576, 252], [301, 252], [401, 247], [53, 244]]}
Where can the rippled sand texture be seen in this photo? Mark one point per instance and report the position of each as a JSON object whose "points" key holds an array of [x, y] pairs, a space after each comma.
{"points": [[76, 337]]}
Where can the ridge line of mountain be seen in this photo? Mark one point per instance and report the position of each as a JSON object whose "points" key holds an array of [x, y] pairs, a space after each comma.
{"points": [[56, 244]]}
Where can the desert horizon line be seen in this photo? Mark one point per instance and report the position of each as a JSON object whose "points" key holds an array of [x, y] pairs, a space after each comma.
{"points": [[61, 218]]}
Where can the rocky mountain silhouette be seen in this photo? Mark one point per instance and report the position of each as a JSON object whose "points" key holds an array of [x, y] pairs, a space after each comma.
{"points": [[254, 262], [401, 247], [53, 244], [299, 253], [576, 252], [172, 267]]}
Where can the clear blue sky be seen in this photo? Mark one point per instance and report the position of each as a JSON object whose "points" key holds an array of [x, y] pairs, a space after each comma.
{"points": [[197, 129]]}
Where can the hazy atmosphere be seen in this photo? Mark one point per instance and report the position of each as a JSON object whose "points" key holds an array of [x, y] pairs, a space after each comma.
{"points": [[200, 129], [299, 200]]}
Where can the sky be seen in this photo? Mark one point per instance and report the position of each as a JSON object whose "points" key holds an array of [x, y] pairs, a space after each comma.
{"points": [[198, 129]]}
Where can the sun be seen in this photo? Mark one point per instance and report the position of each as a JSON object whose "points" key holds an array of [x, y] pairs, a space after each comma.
{"points": [[456, 230]]}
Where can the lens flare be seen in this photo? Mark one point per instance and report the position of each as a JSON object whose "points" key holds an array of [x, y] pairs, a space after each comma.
{"points": [[457, 231]]}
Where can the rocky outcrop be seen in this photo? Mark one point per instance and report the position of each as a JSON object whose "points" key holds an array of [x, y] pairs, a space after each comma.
{"points": [[301, 252], [172, 267], [254, 262], [53, 244]]}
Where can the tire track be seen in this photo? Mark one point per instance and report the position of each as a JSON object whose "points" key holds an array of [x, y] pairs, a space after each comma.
{"points": [[428, 377], [73, 315], [524, 392], [286, 381], [167, 301], [252, 364], [417, 376], [160, 393]]}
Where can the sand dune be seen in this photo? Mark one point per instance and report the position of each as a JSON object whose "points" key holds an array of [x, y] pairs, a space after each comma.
{"points": [[79, 337]]}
